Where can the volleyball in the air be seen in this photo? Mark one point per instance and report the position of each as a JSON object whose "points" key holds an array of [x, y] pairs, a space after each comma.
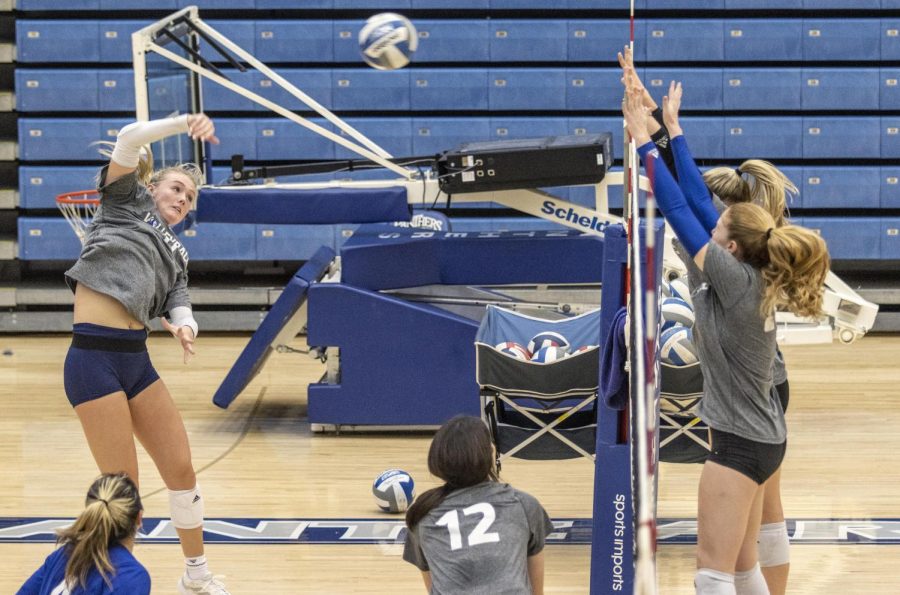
{"points": [[513, 349], [394, 490], [676, 346], [546, 339], [549, 354], [676, 311], [387, 41]]}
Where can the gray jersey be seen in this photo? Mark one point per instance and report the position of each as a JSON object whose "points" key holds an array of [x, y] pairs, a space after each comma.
{"points": [[478, 540], [736, 348], [779, 371], [131, 254]]}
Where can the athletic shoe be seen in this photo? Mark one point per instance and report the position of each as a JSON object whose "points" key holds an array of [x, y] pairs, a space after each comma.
{"points": [[208, 585]]}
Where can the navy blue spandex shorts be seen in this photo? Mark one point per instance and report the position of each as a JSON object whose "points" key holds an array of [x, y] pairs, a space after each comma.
{"points": [[104, 360], [756, 460]]}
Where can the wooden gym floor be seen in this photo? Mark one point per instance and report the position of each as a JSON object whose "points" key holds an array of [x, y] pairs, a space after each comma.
{"points": [[259, 460]]}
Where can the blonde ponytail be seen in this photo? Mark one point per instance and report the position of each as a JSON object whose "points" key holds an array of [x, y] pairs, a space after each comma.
{"points": [[795, 275], [111, 513], [793, 260], [764, 185]]}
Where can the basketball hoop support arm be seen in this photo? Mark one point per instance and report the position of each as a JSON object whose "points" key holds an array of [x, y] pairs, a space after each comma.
{"points": [[143, 41]]}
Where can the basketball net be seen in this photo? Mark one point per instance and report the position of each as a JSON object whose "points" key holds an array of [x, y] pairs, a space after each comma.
{"points": [[642, 306], [79, 209]]}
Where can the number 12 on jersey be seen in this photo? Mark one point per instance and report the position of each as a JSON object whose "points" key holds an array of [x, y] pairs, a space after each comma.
{"points": [[479, 534]]}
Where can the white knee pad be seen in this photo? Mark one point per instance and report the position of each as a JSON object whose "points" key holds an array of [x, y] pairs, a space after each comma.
{"points": [[186, 508], [774, 546], [750, 582], [713, 582]]}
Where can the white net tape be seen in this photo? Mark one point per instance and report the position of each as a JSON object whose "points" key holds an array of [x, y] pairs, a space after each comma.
{"points": [[79, 211]]}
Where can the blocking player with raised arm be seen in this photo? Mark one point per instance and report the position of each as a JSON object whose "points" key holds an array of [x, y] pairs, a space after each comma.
{"points": [[133, 269], [754, 181], [474, 534], [94, 553], [745, 267]]}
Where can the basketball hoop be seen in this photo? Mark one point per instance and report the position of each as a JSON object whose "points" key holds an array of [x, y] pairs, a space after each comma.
{"points": [[79, 209]]}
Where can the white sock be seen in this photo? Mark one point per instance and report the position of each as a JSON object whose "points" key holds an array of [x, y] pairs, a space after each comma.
{"points": [[196, 568], [712, 582], [751, 582]]}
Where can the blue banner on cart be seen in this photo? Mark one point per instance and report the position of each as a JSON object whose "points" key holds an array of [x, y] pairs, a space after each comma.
{"points": [[391, 531]]}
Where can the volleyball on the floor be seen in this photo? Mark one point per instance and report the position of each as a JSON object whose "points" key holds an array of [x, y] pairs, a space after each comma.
{"points": [[546, 339], [548, 354], [676, 346], [676, 311], [513, 349], [678, 288], [387, 41], [394, 490]]}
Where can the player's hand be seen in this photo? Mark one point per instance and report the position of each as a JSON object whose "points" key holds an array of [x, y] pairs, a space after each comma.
{"points": [[184, 334], [626, 61], [636, 115], [671, 107], [201, 128]]}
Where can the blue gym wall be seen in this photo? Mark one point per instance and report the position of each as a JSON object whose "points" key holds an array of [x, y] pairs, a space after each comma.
{"points": [[808, 84]]}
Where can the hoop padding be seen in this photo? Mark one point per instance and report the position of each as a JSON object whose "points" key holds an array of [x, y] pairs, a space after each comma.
{"points": [[79, 208]]}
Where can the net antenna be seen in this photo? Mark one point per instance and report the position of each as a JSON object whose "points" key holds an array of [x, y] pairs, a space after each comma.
{"points": [[177, 39], [642, 350]]}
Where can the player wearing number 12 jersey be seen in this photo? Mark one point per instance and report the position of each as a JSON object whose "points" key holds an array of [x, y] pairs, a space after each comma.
{"points": [[474, 534]]}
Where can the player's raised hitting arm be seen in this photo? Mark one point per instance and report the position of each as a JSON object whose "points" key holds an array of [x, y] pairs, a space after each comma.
{"points": [[126, 155]]}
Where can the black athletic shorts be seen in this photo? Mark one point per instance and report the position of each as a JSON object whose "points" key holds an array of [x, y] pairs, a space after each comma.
{"points": [[103, 360], [784, 394], [756, 460]]}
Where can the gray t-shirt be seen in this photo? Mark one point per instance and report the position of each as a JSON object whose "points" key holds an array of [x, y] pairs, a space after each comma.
{"points": [[478, 540], [131, 254], [779, 371], [736, 348]]}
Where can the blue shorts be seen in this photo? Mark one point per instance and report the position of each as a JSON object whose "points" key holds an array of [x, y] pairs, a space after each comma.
{"points": [[103, 360]]}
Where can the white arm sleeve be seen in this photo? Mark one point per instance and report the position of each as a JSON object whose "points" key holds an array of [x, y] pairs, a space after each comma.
{"points": [[137, 134], [183, 316]]}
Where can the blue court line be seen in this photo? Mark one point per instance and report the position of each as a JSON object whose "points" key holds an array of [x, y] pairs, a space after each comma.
{"points": [[390, 530]]}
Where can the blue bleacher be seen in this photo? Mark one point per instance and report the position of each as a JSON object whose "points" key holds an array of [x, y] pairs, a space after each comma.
{"points": [[841, 39], [890, 238], [685, 40], [39, 185], [703, 86], [435, 135], [826, 187], [889, 86], [220, 241], [370, 90], [519, 89], [840, 89], [848, 238], [599, 40], [890, 187], [763, 138], [835, 137], [593, 88], [890, 137], [279, 139], [763, 40], [73, 73], [528, 40], [761, 89], [449, 89]]}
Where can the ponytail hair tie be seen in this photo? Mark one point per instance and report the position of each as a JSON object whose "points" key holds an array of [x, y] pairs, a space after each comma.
{"points": [[104, 501], [738, 171], [769, 233]]}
